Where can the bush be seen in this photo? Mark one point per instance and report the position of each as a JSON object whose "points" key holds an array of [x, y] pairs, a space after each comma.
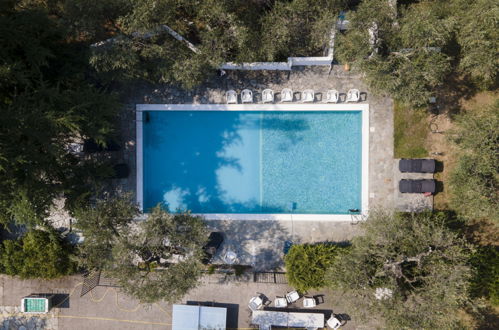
{"points": [[474, 181], [306, 265], [38, 254], [485, 281]]}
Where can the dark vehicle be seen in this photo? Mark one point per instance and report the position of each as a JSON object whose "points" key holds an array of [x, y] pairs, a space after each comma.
{"points": [[214, 241], [417, 186], [417, 165]]}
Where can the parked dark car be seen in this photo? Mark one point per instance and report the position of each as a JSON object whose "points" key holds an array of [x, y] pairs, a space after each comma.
{"points": [[417, 186], [214, 241], [417, 165]]}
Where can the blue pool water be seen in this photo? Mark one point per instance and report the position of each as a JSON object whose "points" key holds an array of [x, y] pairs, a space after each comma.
{"points": [[253, 162]]}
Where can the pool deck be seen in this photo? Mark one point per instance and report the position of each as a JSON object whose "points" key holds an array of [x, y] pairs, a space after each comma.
{"points": [[261, 242]]}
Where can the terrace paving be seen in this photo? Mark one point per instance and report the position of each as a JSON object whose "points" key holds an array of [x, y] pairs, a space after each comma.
{"points": [[108, 308]]}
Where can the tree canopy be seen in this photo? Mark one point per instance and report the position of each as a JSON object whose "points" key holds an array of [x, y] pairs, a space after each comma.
{"points": [[409, 49], [46, 104], [475, 178], [413, 263], [152, 259]]}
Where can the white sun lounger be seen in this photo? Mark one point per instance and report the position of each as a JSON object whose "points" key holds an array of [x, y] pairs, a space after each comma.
{"points": [[332, 96], [286, 95], [267, 96], [353, 95], [246, 96], [231, 96], [308, 95]]}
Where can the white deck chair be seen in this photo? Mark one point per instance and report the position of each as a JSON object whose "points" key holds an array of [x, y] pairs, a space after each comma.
{"points": [[308, 95], [286, 95], [231, 96], [353, 95], [280, 302], [246, 96], [333, 323], [309, 302], [267, 96], [332, 96]]}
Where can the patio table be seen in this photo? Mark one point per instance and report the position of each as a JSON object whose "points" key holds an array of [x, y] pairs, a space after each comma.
{"points": [[266, 319], [306, 320]]}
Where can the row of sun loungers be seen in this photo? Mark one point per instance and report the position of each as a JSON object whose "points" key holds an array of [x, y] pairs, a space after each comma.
{"points": [[427, 186], [287, 95]]}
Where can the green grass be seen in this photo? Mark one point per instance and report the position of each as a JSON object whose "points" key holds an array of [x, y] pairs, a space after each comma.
{"points": [[410, 131]]}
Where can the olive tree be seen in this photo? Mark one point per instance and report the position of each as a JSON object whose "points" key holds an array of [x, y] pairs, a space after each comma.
{"points": [[403, 53], [155, 258], [410, 270], [478, 37], [474, 181]]}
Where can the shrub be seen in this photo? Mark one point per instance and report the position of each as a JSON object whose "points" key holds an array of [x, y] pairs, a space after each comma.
{"points": [[306, 265], [38, 254]]}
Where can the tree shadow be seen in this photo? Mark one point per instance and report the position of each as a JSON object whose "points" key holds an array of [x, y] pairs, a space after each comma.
{"points": [[258, 243], [439, 166], [453, 90], [30, 322]]}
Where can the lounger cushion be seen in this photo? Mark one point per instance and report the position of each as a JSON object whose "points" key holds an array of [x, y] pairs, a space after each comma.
{"points": [[417, 186], [417, 165]]}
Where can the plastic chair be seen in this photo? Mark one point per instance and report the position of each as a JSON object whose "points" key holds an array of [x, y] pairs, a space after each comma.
{"points": [[353, 95], [332, 96], [308, 95], [286, 95], [246, 96], [292, 296], [280, 302], [333, 323], [309, 302], [231, 96], [267, 96], [255, 303]]}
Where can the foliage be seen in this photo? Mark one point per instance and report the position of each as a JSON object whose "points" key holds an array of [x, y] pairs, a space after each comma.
{"points": [[45, 104], [485, 281], [101, 225], [306, 265], [298, 28], [38, 254], [417, 257], [474, 180], [415, 45], [410, 131], [157, 258], [478, 36]]}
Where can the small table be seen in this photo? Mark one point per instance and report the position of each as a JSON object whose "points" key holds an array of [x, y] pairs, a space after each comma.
{"points": [[266, 319], [306, 320]]}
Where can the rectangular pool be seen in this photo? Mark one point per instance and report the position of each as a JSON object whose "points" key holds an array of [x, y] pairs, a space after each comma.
{"points": [[251, 160]]}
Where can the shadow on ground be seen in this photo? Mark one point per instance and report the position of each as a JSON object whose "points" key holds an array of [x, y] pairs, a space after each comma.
{"points": [[259, 244]]}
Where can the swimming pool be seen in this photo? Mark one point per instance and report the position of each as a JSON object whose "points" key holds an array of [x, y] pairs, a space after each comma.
{"points": [[253, 161]]}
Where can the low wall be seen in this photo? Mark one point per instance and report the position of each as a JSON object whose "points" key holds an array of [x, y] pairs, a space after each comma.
{"points": [[281, 66]]}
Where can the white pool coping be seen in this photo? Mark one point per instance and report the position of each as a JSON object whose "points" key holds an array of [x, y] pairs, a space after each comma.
{"points": [[364, 108]]}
